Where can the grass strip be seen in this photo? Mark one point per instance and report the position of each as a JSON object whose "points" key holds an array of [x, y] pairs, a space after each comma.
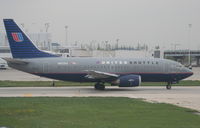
{"points": [[93, 112]]}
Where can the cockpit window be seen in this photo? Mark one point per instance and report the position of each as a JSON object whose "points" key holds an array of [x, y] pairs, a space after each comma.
{"points": [[179, 66]]}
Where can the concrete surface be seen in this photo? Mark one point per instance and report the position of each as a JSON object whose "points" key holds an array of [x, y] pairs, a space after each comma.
{"points": [[182, 96], [15, 75], [196, 75]]}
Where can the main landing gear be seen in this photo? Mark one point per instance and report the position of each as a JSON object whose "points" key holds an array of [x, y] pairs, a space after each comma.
{"points": [[99, 86], [53, 83], [168, 86]]}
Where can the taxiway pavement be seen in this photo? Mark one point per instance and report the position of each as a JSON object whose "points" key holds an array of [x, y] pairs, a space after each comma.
{"points": [[182, 96]]}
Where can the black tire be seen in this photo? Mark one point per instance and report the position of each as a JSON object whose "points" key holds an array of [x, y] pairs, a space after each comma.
{"points": [[53, 84], [168, 87], [102, 87], [99, 86], [96, 86]]}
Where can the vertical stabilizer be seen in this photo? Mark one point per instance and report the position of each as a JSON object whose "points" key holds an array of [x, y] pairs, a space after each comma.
{"points": [[21, 46]]}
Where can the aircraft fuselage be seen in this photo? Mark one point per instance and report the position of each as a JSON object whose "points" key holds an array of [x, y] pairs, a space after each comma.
{"points": [[73, 69]]}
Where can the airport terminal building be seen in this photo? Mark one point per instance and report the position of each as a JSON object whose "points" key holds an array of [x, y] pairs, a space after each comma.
{"points": [[186, 57], [43, 41]]}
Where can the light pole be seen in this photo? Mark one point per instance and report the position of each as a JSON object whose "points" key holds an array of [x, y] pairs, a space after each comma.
{"points": [[117, 45], [189, 43], [66, 38], [47, 25]]}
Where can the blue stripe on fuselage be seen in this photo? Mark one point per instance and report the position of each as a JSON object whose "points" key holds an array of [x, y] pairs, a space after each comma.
{"points": [[148, 77]]}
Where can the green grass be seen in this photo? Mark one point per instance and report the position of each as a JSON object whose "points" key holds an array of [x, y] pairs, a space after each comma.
{"points": [[93, 113], [63, 83], [40, 83]]}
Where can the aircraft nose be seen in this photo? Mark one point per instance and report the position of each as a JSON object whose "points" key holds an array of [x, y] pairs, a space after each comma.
{"points": [[188, 71]]}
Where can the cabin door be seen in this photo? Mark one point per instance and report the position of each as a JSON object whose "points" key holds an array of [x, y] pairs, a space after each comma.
{"points": [[45, 68]]}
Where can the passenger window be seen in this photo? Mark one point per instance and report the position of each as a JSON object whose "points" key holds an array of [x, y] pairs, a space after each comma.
{"points": [[139, 62], [107, 62], [131, 62], [135, 62]]}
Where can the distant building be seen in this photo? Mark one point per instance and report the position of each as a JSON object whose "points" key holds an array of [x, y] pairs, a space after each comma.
{"points": [[3, 40], [5, 52], [133, 53], [41, 40], [156, 54], [183, 56]]}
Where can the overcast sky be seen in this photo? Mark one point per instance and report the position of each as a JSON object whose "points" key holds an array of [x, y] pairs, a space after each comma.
{"points": [[154, 22]]}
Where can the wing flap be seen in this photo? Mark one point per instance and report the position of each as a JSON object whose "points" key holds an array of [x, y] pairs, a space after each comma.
{"points": [[99, 75]]}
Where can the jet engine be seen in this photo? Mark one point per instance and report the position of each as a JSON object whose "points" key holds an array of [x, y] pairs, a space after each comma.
{"points": [[128, 81]]}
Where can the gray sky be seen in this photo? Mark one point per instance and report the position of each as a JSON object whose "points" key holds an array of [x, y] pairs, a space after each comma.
{"points": [[148, 21]]}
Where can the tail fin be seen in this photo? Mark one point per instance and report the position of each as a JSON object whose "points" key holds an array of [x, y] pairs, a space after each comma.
{"points": [[21, 46]]}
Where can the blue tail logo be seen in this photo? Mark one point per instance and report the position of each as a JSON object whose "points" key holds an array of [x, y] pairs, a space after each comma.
{"points": [[17, 36]]}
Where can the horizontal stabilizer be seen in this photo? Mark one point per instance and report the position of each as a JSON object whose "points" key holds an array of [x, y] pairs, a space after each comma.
{"points": [[15, 61]]}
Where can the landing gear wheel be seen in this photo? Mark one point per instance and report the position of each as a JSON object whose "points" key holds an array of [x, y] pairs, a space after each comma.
{"points": [[53, 83], [99, 86], [168, 86]]}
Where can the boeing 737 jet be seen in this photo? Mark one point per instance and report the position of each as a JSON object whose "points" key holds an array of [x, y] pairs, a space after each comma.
{"points": [[122, 72]]}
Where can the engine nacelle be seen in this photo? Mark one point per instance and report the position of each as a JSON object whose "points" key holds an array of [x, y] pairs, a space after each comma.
{"points": [[129, 81]]}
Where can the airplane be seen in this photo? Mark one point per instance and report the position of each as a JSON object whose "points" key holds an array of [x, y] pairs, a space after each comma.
{"points": [[122, 72]]}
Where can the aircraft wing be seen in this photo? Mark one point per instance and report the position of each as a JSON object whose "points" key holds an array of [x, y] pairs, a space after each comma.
{"points": [[15, 61], [99, 75]]}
